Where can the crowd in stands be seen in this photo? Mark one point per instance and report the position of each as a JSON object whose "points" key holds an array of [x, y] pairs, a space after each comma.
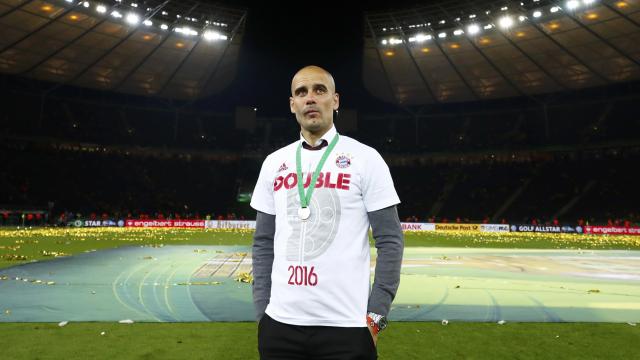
{"points": [[575, 122], [590, 190], [573, 165]]}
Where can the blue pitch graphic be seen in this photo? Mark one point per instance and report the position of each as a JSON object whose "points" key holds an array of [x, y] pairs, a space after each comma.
{"points": [[200, 283]]}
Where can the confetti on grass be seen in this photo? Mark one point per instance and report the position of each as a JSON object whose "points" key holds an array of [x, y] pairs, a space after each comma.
{"points": [[53, 253], [245, 278]]}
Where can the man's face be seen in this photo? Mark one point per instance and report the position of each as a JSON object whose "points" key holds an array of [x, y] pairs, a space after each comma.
{"points": [[313, 99]]}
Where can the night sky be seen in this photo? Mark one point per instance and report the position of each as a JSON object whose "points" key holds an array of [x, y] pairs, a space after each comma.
{"points": [[278, 40]]}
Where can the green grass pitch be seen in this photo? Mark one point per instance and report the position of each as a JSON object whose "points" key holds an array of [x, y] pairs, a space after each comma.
{"points": [[403, 340]]}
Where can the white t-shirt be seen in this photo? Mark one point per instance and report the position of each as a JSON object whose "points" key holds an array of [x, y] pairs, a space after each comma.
{"points": [[321, 266]]}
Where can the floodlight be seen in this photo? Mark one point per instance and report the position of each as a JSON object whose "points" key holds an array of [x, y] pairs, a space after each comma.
{"points": [[506, 22], [133, 18], [473, 29], [211, 35], [573, 4]]}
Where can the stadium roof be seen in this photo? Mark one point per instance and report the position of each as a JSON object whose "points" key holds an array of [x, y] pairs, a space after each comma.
{"points": [[459, 51], [174, 49]]}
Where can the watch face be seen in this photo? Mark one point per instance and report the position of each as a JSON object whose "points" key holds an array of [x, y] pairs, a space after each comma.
{"points": [[382, 323]]}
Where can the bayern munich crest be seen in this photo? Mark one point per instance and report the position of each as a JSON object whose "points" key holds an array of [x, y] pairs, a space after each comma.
{"points": [[343, 161]]}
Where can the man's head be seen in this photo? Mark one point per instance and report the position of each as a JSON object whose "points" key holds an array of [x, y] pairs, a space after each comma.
{"points": [[313, 99]]}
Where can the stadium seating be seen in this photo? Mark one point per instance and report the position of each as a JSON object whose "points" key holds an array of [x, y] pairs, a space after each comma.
{"points": [[571, 160]]}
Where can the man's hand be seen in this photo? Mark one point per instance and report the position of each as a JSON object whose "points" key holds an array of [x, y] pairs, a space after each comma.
{"points": [[373, 335]]}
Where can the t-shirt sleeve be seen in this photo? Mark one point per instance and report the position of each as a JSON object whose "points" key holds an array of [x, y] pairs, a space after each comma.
{"points": [[378, 190], [262, 197]]}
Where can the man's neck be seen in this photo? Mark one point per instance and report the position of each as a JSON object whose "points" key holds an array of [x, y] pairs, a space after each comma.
{"points": [[312, 138]]}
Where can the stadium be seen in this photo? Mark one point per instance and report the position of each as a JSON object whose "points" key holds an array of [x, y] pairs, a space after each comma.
{"points": [[133, 134]]}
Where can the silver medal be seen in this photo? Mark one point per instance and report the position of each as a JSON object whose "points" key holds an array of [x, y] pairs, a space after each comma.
{"points": [[304, 213]]}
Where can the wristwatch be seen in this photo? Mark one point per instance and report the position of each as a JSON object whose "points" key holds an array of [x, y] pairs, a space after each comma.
{"points": [[376, 321]]}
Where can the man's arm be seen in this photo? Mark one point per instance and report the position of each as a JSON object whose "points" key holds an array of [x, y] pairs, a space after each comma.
{"points": [[389, 241], [262, 257]]}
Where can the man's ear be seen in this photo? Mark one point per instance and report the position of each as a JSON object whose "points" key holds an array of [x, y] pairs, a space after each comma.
{"points": [[291, 105], [336, 101]]}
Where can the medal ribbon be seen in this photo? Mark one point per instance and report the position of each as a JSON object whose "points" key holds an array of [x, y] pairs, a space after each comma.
{"points": [[305, 199]]}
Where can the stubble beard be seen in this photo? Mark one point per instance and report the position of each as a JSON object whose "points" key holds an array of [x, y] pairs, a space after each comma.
{"points": [[313, 126]]}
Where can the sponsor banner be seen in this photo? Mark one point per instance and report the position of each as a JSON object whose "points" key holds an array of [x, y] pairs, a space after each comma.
{"points": [[95, 223], [407, 226], [571, 229], [458, 227], [536, 228], [166, 223], [230, 224], [494, 228], [612, 230], [555, 229]]}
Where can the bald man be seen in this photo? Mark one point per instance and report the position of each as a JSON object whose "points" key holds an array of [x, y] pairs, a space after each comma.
{"points": [[316, 200]]}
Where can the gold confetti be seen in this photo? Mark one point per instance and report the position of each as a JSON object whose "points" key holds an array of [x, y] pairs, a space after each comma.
{"points": [[15, 257], [244, 278], [53, 253]]}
